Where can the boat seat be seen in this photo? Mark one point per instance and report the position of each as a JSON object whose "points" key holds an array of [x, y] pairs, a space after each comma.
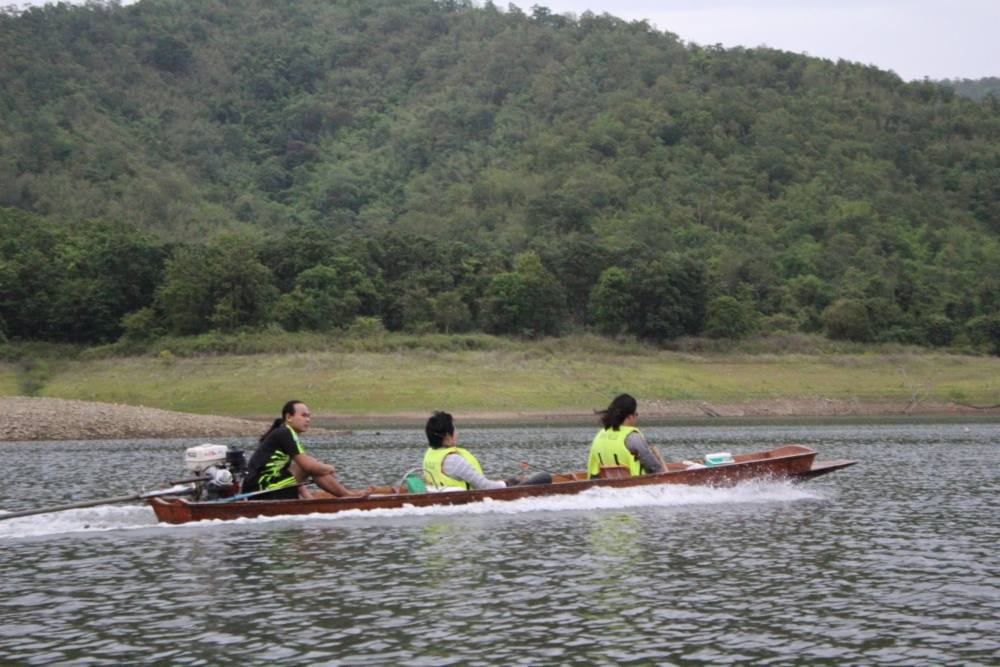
{"points": [[613, 472]]}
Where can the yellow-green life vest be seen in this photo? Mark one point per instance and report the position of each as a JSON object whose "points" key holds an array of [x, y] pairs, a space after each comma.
{"points": [[434, 462], [608, 449]]}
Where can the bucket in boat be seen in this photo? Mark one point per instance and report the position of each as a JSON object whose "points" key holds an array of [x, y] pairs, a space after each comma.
{"points": [[414, 484], [718, 459]]}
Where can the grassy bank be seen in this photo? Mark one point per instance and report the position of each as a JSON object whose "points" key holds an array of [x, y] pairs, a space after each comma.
{"points": [[9, 385], [529, 376]]}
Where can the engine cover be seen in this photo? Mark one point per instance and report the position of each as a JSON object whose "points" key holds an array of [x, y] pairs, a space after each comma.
{"points": [[198, 458]]}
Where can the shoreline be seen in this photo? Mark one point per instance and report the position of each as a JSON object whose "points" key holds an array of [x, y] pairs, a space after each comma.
{"points": [[662, 412], [40, 419]]}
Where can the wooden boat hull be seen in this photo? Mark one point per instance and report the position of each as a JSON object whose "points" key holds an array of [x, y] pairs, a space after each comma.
{"points": [[788, 462]]}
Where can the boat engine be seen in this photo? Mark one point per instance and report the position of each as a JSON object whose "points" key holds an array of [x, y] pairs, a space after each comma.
{"points": [[220, 469]]}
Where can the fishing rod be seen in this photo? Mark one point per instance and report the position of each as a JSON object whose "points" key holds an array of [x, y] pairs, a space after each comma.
{"points": [[653, 449], [532, 465], [659, 457]]}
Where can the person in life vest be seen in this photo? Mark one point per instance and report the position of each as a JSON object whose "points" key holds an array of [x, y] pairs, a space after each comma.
{"points": [[620, 443], [448, 466], [280, 463]]}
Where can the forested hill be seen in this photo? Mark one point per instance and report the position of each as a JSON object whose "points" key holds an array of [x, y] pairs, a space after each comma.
{"points": [[177, 167], [976, 89]]}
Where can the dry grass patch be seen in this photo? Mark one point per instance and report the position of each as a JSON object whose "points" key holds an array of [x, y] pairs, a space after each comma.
{"points": [[8, 380], [531, 377]]}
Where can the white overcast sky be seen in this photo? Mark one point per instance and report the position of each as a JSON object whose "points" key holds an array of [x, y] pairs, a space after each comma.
{"points": [[939, 39]]}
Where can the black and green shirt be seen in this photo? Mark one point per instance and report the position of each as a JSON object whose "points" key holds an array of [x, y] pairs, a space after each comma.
{"points": [[268, 467]]}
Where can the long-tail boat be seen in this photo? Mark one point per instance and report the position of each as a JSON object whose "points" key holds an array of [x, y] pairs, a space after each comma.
{"points": [[795, 462]]}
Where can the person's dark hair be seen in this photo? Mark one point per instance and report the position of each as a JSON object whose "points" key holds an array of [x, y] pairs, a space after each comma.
{"points": [[438, 426], [287, 410], [620, 408]]}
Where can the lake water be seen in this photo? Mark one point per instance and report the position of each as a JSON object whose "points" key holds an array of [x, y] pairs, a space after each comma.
{"points": [[892, 561]]}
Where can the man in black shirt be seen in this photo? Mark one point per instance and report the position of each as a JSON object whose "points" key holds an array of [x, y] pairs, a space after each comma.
{"points": [[280, 463]]}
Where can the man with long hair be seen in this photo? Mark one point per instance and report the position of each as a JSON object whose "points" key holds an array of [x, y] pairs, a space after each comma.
{"points": [[281, 466]]}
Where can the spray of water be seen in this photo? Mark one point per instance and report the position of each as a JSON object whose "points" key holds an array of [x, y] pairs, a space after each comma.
{"points": [[134, 517]]}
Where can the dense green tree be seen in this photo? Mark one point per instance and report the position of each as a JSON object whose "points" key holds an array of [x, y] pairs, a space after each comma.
{"points": [[612, 303], [73, 282], [141, 325], [170, 54], [937, 330], [985, 331], [807, 296], [187, 296], [670, 299], [505, 308], [416, 309], [976, 89], [427, 144], [110, 269], [323, 299], [848, 319], [450, 312], [221, 285], [244, 289], [726, 317], [29, 278], [576, 262], [526, 301]]}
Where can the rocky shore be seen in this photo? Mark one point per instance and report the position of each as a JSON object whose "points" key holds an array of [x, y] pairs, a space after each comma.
{"points": [[807, 406], [23, 418]]}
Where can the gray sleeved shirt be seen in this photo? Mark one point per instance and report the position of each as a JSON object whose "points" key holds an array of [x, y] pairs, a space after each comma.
{"points": [[637, 444], [457, 467]]}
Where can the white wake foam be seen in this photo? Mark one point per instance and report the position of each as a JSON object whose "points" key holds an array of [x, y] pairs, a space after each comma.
{"points": [[90, 519], [133, 517]]}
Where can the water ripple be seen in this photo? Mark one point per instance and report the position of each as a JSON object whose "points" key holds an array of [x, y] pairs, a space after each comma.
{"points": [[891, 562]]}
